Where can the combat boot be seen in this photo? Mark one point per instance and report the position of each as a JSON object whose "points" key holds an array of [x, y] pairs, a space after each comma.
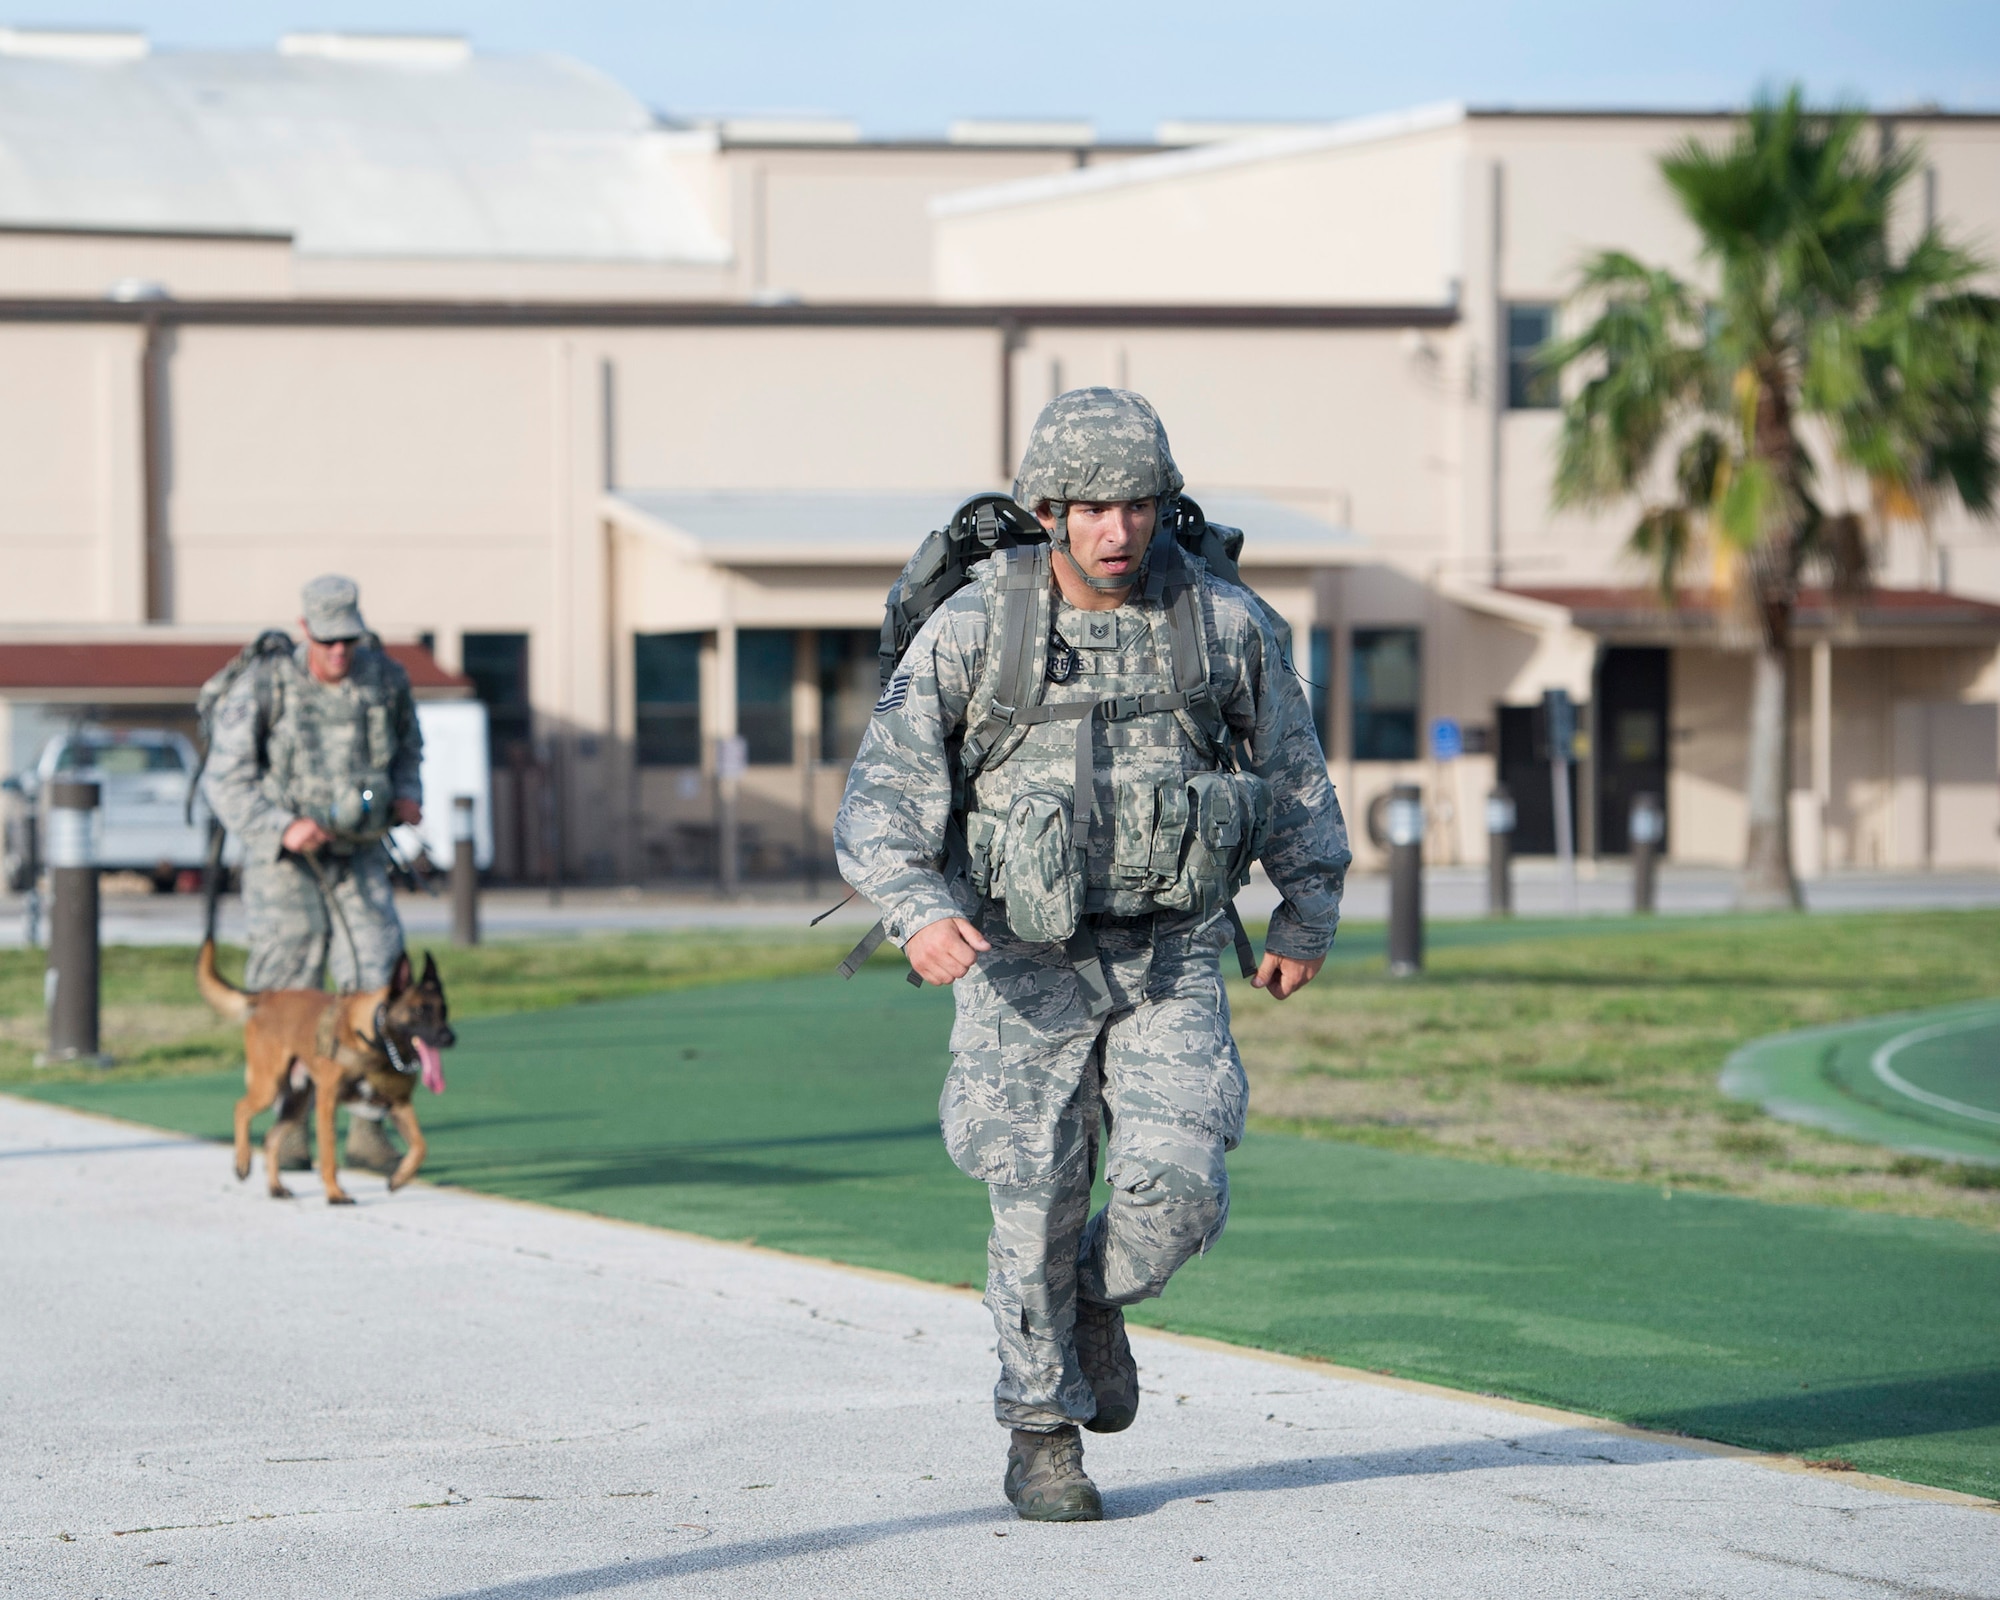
{"points": [[294, 1153], [368, 1147], [1105, 1355], [1045, 1478]]}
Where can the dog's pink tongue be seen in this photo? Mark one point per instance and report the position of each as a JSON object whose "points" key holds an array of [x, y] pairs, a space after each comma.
{"points": [[433, 1066]]}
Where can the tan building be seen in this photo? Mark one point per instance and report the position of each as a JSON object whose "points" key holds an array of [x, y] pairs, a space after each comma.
{"points": [[635, 422]]}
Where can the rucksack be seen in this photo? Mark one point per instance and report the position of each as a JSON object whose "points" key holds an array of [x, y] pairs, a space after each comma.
{"points": [[987, 526], [267, 646]]}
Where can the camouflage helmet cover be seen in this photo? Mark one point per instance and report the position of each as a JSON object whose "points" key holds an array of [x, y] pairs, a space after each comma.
{"points": [[1099, 445]]}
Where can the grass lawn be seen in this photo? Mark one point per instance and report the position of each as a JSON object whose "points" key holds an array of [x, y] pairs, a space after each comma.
{"points": [[1597, 1052]]}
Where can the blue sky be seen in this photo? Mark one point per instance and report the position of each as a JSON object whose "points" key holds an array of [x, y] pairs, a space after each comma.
{"points": [[905, 68]]}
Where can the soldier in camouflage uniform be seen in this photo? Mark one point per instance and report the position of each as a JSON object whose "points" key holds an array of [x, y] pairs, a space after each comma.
{"points": [[309, 772], [1090, 1005]]}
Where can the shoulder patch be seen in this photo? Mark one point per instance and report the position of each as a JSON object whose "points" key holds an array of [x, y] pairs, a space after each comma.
{"points": [[895, 694]]}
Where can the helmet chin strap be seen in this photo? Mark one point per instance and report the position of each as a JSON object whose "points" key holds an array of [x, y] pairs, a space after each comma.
{"points": [[1059, 537]]}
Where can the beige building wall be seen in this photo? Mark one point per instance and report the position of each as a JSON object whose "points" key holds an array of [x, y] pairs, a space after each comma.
{"points": [[1365, 214], [71, 523]]}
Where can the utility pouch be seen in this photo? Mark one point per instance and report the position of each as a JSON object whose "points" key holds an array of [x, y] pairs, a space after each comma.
{"points": [[1037, 873], [1228, 824]]}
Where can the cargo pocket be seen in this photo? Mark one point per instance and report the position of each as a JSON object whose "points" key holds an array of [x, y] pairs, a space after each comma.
{"points": [[1037, 875], [1000, 1107]]}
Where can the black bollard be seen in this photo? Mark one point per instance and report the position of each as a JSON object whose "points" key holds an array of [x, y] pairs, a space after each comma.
{"points": [[464, 873], [1406, 880], [1648, 826], [1500, 818], [71, 982]]}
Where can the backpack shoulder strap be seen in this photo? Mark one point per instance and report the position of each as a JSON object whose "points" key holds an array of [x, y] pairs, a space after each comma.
{"points": [[1011, 679], [1187, 642]]}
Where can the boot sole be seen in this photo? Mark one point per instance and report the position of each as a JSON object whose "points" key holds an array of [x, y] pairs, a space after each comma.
{"points": [[1092, 1511]]}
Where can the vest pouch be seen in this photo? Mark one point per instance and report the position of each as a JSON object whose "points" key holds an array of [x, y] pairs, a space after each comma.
{"points": [[1229, 823], [1037, 871]]}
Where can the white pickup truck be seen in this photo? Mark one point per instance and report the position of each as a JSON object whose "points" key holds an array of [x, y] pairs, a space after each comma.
{"points": [[142, 779]]}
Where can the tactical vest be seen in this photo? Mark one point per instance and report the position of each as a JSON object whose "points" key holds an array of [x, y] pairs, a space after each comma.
{"points": [[1097, 775], [332, 745]]}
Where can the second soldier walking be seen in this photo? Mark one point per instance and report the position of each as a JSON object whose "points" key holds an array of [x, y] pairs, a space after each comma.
{"points": [[314, 754]]}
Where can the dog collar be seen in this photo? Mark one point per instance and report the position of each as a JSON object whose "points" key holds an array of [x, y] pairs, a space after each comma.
{"points": [[383, 1042]]}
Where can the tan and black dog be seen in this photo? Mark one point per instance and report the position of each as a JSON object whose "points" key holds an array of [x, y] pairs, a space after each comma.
{"points": [[374, 1044]]}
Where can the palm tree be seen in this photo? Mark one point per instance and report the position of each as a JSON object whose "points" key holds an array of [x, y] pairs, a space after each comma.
{"points": [[1823, 354]]}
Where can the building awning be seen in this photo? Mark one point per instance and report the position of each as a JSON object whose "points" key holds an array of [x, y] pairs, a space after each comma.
{"points": [[1879, 617], [164, 672], [849, 528]]}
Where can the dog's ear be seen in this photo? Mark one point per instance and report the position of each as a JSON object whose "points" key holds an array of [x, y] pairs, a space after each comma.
{"points": [[430, 979], [399, 980]]}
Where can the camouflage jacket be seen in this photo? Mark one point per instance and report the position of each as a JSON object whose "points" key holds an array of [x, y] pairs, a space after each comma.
{"points": [[890, 834], [326, 743]]}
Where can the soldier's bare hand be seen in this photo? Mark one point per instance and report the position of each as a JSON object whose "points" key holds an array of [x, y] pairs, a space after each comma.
{"points": [[408, 812], [944, 951], [1282, 977], [304, 836]]}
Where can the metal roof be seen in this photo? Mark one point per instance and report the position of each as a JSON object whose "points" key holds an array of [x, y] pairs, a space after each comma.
{"points": [[836, 527], [516, 157]]}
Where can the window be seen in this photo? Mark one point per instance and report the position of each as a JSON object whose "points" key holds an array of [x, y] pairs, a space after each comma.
{"points": [[764, 694], [1319, 691], [850, 673], [1530, 386], [666, 694], [497, 664], [1386, 699], [118, 760]]}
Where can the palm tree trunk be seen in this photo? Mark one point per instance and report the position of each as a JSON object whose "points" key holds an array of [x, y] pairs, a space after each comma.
{"points": [[1768, 882]]}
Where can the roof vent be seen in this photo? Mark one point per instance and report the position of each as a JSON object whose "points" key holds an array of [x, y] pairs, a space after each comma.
{"points": [[1022, 130], [134, 291], [381, 49], [74, 44]]}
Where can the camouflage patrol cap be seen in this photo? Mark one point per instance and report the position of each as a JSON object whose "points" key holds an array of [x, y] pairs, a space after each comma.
{"points": [[332, 607], [1097, 445]]}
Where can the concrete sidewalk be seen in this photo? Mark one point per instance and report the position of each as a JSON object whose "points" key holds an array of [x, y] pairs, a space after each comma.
{"points": [[433, 1394], [1450, 893]]}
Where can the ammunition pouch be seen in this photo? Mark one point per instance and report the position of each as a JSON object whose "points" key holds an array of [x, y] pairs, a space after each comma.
{"points": [[1229, 823], [1188, 845], [1036, 872]]}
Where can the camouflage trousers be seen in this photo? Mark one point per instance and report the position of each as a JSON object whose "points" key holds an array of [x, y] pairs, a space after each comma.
{"points": [[1037, 1087], [295, 937]]}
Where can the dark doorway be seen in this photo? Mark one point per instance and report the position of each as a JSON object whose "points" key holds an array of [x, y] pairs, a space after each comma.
{"points": [[1631, 744], [1524, 769], [497, 664]]}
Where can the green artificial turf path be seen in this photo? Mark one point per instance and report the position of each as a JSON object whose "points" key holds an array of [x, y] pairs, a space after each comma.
{"points": [[1927, 1081], [801, 1113]]}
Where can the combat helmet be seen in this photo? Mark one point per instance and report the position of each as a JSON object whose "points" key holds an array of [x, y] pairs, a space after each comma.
{"points": [[1097, 444], [1100, 445]]}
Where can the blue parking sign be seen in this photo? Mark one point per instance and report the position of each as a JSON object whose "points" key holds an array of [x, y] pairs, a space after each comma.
{"points": [[1447, 739]]}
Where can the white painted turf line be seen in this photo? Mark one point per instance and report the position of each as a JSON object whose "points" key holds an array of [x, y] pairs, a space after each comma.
{"points": [[437, 1394]]}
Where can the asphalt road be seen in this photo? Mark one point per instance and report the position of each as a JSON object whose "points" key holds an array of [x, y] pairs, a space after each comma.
{"points": [[433, 1394], [1450, 893]]}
